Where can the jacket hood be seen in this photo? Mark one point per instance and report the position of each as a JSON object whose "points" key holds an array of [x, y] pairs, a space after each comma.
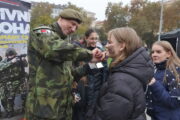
{"points": [[138, 65]]}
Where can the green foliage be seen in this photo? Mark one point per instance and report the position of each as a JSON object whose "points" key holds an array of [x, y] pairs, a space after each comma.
{"points": [[116, 16], [141, 15], [146, 21], [172, 16], [102, 35], [144, 17], [87, 20], [41, 14], [45, 20]]}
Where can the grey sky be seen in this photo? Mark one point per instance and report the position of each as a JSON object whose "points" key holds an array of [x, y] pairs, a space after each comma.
{"points": [[96, 6]]}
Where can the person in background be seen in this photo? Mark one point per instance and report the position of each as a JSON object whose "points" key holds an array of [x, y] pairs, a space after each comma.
{"points": [[122, 95], [78, 88], [96, 76], [88, 88], [80, 42], [163, 95], [51, 73], [12, 78], [3, 67]]}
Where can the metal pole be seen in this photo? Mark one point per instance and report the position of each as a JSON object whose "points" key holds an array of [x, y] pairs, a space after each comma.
{"points": [[161, 20]]}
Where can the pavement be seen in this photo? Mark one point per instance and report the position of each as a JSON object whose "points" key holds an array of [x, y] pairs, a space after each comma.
{"points": [[17, 117]]}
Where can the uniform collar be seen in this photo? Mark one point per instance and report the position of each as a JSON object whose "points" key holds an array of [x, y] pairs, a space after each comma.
{"points": [[58, 29]]}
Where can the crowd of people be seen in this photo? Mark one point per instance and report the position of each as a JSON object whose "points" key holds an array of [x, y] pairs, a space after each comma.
{"points": [[73, 81]]}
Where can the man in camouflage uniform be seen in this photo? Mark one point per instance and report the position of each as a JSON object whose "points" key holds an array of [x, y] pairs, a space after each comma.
{"points": [[51, 74], [12, 75], [3, 67]]}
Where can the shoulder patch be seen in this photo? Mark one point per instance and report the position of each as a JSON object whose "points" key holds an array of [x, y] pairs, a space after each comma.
{"points": [[43, 30]]}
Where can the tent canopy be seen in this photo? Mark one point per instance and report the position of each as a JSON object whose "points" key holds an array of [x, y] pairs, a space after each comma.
{"points": [[170, 35], [174, 38]]}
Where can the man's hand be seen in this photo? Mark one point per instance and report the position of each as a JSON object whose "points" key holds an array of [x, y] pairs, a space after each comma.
{"points": [[97, 55], [104, 55]]}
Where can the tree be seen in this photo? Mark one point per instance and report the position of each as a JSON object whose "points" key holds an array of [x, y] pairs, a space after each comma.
{"points": [[41, 14], [87, 21], [144, 17], [102, 35], [171, 16], [137, 6], [116, 16], [145, 20]]}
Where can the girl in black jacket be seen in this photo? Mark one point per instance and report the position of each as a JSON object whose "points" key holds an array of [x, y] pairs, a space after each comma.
{"points": [[122, 96]]}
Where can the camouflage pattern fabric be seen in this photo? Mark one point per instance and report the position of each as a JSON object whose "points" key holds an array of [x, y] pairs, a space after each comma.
{"points": [[4, 65], [51, 74], [12, 77], [10, 89]]}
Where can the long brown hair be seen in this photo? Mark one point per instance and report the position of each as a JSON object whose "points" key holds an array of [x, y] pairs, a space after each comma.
{"points": [[173, 60], [128, 36]]}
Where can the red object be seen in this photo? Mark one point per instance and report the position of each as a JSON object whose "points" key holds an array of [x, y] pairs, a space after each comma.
{"points": [[10, 2], [43, 30]]}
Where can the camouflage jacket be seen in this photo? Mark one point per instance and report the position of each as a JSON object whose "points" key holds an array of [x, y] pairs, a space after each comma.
{"points": [[3, 71], [51, 74], [10, 72], [4, 65]]}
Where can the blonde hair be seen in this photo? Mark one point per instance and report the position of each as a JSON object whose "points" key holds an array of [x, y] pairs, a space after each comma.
{"points": [[128, 36], [173, 60]]}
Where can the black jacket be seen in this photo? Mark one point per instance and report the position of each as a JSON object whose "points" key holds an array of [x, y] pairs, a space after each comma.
{"points": [[122, 96]]}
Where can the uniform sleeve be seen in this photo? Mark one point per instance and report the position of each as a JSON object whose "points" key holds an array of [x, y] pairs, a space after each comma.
{"points": [[159, 91], [4, 65], [51, 47], [116, 103], [80, 71]]}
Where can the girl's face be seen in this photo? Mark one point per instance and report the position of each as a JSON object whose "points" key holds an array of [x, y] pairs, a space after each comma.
{"points": [[92, 39], [114, 48], [159, 54]]}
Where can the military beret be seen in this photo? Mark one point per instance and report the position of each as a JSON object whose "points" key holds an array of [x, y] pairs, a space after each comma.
{"points": [[72, 14]]}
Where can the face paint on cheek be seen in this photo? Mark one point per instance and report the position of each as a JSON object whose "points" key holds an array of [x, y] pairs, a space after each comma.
{"points": [[111, 50]]}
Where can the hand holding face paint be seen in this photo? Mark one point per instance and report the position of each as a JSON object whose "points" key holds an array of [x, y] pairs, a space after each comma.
{"points": [[97, 55]]}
